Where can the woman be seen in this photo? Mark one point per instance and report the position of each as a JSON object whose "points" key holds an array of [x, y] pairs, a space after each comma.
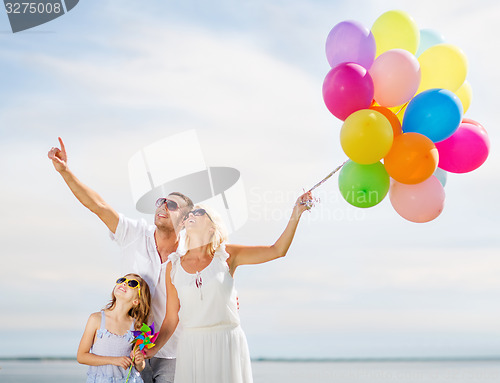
{"points": [[201, 298]]}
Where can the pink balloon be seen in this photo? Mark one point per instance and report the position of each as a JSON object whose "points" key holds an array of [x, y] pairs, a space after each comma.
{"points": [[350, 41], [347, 88], [418, 203], [396, 77], [465, 150]]}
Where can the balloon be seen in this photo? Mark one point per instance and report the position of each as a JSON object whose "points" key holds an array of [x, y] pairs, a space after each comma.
{"points": [[350, 41], [435, 113], [347, 88], [443, 66], [428, 38], [399, 111], [396, 77], [465, 150], [395, 29], [393, 119], [441, 175], [464, 93], [412, 159], [473, 122], [366, 136], [418, 203], [363, 185]]}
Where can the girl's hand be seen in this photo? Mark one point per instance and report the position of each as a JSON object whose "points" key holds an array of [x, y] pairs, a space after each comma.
{"points": [[122, 361], [304, 202], [139, 360], [138, 356]]}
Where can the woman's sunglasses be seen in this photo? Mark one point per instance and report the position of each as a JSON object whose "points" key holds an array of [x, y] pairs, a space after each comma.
{"points": [[198, 213], [171, 205], [132, 283]]}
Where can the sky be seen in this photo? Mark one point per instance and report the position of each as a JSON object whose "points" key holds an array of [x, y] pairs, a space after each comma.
{"points": [[113, 77]]}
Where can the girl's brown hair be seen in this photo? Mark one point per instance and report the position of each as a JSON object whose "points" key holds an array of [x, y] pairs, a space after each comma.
{"points": [[139, 312]]}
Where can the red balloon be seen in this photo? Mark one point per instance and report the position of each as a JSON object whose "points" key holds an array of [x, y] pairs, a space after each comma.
{"points": [[469, 121], [393, 119], [347, 88]]}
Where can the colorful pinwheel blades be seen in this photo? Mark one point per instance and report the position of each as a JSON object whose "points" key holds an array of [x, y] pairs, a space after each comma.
{"points": [[154, 338], [145, 337]]}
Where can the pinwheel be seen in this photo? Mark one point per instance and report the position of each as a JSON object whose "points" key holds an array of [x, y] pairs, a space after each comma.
{"points": [[143, 339]]}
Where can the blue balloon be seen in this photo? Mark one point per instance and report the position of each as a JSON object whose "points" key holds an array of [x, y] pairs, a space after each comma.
{"points": [[441, 175], [428, 38], [435, 113]]}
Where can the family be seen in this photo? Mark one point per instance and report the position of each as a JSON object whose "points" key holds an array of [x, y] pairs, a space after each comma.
{"points": [[185, 285]]}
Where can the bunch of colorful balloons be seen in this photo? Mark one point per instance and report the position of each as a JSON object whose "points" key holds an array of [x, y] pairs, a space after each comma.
{"points": [[401, 93]]}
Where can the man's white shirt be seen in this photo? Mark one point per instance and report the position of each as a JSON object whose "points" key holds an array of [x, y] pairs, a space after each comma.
{"points": [[140, 256]]}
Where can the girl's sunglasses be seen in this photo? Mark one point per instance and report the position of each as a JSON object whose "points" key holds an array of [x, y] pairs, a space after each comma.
{"points": [[198, 213], [171, 205], [132, 283]]}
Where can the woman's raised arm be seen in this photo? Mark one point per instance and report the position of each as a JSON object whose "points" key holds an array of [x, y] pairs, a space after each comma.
{"points": [[247, 255]]}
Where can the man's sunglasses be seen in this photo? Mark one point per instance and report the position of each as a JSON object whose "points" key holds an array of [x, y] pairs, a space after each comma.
{"points": [[198, 213], [132, 283], [171, 205]]}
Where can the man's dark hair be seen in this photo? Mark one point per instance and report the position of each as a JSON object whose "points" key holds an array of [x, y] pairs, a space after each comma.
{"points": [[186, 199]]}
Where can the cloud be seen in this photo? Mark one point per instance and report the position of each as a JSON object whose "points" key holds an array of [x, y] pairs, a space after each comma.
{"points": [[253, 93]]}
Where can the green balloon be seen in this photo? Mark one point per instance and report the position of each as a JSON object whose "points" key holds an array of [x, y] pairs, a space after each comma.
{"points": [[363, 185]]}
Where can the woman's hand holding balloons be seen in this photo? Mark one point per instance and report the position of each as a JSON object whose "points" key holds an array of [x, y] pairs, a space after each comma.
{"points": [[303, 203]]}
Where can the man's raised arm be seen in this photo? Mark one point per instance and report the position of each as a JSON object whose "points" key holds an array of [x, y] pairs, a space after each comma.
{"points": [[88, 197]]}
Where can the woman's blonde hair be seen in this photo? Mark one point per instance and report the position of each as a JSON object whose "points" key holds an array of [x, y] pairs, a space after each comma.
{"points": [[139, 312], [220, 233]]}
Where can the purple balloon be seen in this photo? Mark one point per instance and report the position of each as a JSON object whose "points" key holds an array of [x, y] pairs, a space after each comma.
{"points": [[347, 88], [350, 41]]}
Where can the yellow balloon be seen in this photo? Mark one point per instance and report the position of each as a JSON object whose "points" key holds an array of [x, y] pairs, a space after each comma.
{"points": [[442, 66], [395, 29], [366, 136], [464, 93]]}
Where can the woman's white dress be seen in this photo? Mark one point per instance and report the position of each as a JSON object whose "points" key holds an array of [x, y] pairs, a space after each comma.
{"points": [[212, 347]]}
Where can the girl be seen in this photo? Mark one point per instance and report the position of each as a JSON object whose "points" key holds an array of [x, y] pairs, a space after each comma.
{"points": [[105, 345], [201, 298]]}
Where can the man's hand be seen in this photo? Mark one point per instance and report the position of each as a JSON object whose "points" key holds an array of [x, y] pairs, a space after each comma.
{"points": [[59, 157], [150, 352]]}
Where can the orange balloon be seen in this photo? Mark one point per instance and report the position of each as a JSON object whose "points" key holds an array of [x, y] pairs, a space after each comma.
{"points": [[399, 111], [393, 119], [412, 159]]}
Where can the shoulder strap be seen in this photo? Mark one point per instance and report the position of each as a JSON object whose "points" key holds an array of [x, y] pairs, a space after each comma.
{"points": [[174, 258], [103, 320]]}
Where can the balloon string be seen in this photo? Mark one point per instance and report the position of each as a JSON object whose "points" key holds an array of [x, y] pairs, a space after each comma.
{"points": [[402, 108], [328, 176]]}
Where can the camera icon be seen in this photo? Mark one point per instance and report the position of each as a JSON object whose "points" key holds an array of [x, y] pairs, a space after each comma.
{"points": [[163, 167]]}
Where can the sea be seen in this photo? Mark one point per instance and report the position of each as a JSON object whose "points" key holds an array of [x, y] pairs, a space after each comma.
{"points": [[289, 371]]}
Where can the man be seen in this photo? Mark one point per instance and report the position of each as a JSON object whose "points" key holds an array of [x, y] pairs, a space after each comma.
{"points": [[145, 249]]}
